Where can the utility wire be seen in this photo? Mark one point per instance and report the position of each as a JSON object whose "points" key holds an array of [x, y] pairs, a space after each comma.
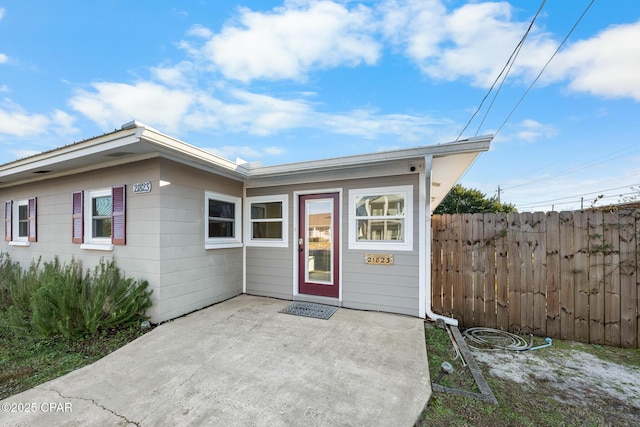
{"points": [[545, 67], [517, 52], [570, 170], [512, 57], [578, 167]]}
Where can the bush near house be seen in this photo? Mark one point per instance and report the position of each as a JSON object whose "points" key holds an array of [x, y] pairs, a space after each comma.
{"points": [[61, 299]]}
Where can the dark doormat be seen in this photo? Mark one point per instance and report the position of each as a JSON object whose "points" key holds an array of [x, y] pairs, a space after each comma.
{"points": [[308, 309]]}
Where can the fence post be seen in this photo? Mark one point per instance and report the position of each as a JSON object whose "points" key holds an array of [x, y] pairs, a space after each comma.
{"points": [[611, 279], [596, 277], [581, 275], [553, 274], [539, 274]]}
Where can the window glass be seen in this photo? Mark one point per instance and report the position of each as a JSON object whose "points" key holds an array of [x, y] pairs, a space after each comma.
{"points": [[266, 230], [101, 216], [221, 218], [23, 220], [223, 228], [373, 217], [381, 218], [266, 219]]}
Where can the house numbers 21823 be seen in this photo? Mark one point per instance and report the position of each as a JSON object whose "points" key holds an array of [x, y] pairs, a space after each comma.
{"points": [[381, 259], [141, 187]]}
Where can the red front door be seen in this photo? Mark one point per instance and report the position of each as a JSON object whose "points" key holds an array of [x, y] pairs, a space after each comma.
{"points": [[318, 245]]}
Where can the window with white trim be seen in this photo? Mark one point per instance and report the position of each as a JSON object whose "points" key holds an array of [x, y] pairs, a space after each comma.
{"points": [[223, 228], [20, 222], [381, 218], [267, 221], [98, 218], [23, 220], [98, 206]]}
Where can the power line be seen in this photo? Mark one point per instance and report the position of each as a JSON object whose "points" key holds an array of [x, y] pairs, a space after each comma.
{"points": [[573, 169], [588, 194], [517, 52], [507, 66], [576, 168], [545, 67]]}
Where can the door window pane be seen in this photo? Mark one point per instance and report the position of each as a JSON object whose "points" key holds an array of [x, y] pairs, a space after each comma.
{"points": [[319, 237]]}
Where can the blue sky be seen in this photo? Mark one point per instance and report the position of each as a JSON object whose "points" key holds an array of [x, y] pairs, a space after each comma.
{"points": [[298, 80]]}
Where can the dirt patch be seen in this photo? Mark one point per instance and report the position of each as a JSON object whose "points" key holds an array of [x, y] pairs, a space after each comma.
{"points": [[570, 376]]}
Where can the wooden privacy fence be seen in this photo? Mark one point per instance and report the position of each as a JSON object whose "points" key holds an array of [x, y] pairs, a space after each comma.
{"points": [[569, 275]]}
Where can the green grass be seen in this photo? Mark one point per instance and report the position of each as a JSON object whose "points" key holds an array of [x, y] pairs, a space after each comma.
{"points": [[26, 362]]}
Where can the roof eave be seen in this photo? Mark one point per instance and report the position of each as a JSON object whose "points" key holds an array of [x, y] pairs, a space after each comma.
{"points": [[478, 145]]}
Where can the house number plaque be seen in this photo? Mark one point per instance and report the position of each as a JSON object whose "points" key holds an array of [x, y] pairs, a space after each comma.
{"points": [[142, 187], [380, 259]]}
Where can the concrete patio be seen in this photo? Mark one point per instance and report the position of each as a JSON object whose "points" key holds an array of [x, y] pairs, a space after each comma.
{"points": [[243, 363]]}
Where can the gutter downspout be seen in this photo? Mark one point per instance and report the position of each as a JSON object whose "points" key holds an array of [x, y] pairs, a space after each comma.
{"points": [[244, 242], [425, 242]]}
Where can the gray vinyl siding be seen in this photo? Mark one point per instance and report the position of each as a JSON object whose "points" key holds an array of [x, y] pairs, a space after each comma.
{"points": [[270, 272], [270, 269], [165, 233], [138, 259], [192, 277], [368, 287]]}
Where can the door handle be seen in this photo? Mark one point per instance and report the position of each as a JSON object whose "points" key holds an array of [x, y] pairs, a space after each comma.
{"points": [[301, 245]]}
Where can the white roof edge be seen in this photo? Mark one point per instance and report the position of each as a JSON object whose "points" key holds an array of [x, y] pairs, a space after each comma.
{"points": [[180, 147], [47, 157], [136, 131], [476, 144]]}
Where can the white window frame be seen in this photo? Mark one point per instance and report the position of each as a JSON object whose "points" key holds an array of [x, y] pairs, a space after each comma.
{"points": [[18, 240], [406, 244], [265, 242], [90, 242], [223, 242]]}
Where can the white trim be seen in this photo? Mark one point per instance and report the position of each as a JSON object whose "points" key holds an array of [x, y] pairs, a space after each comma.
{"points": [[19, 243], [89, 240], [223, 242], [244, 253], [294, 246], [384, 245], [97, 246], [274, 243], [424, 250], [17, 239]]}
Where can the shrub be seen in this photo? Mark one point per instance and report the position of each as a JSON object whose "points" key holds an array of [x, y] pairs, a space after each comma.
{"points": [[23, 285], [62, 299], [7, 271]]}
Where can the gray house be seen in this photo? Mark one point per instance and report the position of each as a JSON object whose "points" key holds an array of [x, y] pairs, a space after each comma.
{"points": [[351, 231]]}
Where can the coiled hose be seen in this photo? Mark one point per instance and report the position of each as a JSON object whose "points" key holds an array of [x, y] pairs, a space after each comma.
{"points": [[485, 338]]}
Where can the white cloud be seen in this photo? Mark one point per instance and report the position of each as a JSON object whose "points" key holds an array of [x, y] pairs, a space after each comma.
{"points": [[16, 122], [2, 12], [607, 64], [371, 125], [234, 151], [292, 40], [530, 130], [112, 104], [3, 58], [473, 41], [181, 74], [200, 31]]}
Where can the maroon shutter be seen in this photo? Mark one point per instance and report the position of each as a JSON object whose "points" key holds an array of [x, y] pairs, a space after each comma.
{"points": [[8, 210], [31, 220], [118, 223], [77, 229]]}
